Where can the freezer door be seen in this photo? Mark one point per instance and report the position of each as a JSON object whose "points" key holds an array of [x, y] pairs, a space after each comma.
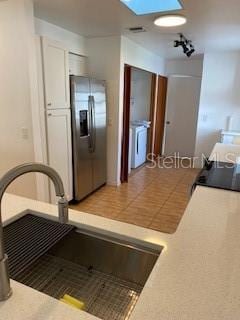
{"points": [[98, 96], [81, 133]]}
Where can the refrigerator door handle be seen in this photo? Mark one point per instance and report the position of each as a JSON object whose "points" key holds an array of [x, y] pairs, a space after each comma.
{"points": [[93, 124], [90, 125]]}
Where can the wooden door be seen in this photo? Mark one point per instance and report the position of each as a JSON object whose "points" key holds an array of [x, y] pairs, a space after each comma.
{"points": [[126, 124], [60, 148], [56, 75], [151, 133], [160, 115]]}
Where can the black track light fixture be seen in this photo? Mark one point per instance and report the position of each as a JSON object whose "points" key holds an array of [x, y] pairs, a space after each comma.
{"points": [[191, 51], [186, 45], [176, 44], [185, 48]]}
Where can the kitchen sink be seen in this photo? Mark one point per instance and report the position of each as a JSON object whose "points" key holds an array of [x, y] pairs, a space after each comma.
{"points": [[104, 272]]}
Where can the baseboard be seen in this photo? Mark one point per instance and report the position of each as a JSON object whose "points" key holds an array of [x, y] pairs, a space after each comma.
{"points": [[113, 183]]}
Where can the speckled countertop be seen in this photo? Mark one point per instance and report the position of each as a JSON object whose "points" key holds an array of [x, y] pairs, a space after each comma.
{"points": [[196, 276]]}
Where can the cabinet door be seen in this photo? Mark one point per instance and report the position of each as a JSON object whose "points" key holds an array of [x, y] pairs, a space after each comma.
{"points": [[56, 75], [77, 65], [60, 148]]}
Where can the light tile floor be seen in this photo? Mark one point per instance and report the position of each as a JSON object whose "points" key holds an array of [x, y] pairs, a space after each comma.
{"points": [[154, 198]]}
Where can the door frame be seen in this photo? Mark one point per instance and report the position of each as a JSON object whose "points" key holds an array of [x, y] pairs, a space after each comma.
{"points": [[151, 137], [126, 118], [161, 104], [126, 123]]}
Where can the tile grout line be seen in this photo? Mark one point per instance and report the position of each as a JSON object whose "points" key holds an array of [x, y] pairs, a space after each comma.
{"points": [[140, 178], [167, 199]]}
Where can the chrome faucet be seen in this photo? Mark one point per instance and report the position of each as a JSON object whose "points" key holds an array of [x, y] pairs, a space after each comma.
{"points": [[10, 176]]}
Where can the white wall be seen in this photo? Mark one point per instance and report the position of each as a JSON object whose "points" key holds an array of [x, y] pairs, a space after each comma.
{"points": [[137, 56], [16, 65], [107, 57], [104, 63], [220, 98], [141, 84], [187, 67], [74, 42]]}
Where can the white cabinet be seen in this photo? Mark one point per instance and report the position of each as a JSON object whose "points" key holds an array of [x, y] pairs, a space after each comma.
{"points": [[55, 58], [60, 147], [56, 75], [78, 65]]}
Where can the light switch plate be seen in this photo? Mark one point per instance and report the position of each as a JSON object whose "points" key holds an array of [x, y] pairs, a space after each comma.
{"points": [[25, 134]]}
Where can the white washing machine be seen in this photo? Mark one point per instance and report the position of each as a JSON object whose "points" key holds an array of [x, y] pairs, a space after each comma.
{"points": [[139, 145]]}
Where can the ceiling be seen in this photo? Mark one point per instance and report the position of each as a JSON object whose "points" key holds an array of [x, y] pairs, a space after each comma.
{"points": [[213, 25]]}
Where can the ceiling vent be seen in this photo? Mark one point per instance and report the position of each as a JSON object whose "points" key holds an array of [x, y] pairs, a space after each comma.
{"points": [[137, 29]]}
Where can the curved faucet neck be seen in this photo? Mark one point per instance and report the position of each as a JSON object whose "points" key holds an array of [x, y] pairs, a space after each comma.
{"points": [[5, 181], [18, 171]]}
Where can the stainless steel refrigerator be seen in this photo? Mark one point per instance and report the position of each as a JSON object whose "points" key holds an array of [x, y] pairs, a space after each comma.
{"points": [[88, 109]]}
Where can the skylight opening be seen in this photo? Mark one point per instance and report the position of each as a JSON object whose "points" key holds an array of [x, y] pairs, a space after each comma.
{"points": [[141, 7]]}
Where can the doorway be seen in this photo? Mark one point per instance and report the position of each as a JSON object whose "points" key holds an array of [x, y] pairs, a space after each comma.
{"points": [[182, 115], [142, 136]]}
